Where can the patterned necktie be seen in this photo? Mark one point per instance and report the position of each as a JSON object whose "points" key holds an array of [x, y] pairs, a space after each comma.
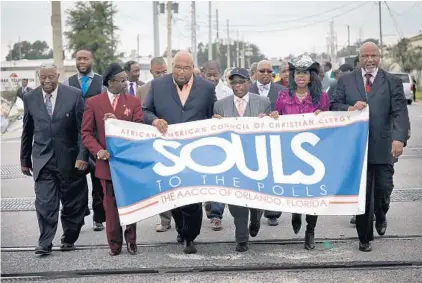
{"points": [[84, 84], [240, 105], [48, 104], [368, 84], [131, 90], [115, 100]]}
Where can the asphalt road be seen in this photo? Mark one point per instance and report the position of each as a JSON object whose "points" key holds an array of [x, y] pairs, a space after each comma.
{"points": [[276, 255]]}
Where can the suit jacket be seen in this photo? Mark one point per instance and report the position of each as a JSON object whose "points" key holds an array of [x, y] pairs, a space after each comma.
{"points": [[273, 94], [44, 136], [93, 119], [388, 114], [257, 104], [332, 90], [20, 92], [163, 102], [142, 91]]}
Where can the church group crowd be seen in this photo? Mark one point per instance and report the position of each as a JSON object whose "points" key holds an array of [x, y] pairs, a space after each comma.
{"points": [[63, 138]]}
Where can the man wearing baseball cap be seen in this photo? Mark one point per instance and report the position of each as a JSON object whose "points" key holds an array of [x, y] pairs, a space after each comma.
{"points": [[243, 104]]}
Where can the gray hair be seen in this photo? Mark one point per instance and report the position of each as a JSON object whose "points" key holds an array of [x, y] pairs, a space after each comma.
{"points": [[226, 72], [158, 61], [253, 68], [48, 66]]}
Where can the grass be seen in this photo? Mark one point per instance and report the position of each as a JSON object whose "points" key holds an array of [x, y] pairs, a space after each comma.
{"points": [[419, 95]]}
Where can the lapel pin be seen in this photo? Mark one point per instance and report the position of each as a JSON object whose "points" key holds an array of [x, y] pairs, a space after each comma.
{"points": [[67, 114]]}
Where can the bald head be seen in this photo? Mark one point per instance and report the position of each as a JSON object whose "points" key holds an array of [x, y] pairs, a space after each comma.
{"points": [[264, 72], [369, 56], [182, 67]]}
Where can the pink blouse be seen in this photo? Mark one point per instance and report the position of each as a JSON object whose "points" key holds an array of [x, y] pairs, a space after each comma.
{"points": [[291, 105]]}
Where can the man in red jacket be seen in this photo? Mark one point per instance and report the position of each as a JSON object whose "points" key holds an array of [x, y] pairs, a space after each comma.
{"points": [[112, 104]]}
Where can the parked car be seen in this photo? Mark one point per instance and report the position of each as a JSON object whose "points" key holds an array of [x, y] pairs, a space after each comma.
{"points": [[407, 86]]}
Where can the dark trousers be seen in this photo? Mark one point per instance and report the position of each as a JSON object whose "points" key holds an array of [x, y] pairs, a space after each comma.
{"points": [[113, 229], [51, 188], [241, 220], [379, 186], [272, 214], [97, 197], [188, 221]]}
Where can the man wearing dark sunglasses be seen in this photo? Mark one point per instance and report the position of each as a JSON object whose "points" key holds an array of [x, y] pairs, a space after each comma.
{"points": [[263, 85]]}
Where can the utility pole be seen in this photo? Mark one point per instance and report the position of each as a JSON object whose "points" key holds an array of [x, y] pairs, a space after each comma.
{"points": [[237, 50], [242, 58], [137, 48], [56, 23], [218, 38], [169, 31], [193, 39], [381, 48], [209, 32], [156, 26], [228, 45], [20, 48], [348, 35], [332, 43]]}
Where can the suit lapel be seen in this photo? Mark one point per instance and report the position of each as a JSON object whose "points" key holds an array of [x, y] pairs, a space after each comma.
{"points": [[41, 103], [250, 107], [359, 84], [105, 103], [231, 108], [192, 93], [59, 100], [173, 91], [121, 107], [378, 82]]}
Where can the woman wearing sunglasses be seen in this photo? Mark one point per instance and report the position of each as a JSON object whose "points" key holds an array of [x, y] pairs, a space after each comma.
{"points": [[303, 95]]}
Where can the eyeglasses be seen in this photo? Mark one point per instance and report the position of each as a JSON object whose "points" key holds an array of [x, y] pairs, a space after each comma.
{"points": [[185, 68], [266, 71], [120, 81]]}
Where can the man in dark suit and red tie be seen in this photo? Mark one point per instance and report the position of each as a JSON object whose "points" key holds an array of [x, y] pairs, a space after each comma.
{"points": [[133, 70], [178, 98], [112, 104], [51, 149], [388, 132]]}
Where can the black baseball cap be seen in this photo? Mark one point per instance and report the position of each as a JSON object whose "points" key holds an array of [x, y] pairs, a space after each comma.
{"points": [[241, 72]]}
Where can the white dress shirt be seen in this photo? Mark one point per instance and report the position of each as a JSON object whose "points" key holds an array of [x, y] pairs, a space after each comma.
{"points": [[243, 101], [222, 90], [111, 96], [265, 91], [53, 98]]}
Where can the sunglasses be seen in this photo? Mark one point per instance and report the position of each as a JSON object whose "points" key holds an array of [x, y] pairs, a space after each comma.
{"points": [[266, 71]]}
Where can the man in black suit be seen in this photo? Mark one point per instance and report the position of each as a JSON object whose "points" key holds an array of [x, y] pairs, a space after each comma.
{"points": [[345, 68], [23, 89], [90, 84], [265, 87], [178, 98], [388, 131], [51, 135]]}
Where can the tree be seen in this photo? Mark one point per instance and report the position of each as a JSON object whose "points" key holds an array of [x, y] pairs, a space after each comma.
{"points": [[91, 27], [409, 57], [30, 51]]}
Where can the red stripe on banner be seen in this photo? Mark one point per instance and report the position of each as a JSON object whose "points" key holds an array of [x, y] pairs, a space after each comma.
{"points": [[132, 211], [342, 202]]}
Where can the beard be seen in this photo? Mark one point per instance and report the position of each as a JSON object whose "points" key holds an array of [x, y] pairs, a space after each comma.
{"points": [[87, 71]]}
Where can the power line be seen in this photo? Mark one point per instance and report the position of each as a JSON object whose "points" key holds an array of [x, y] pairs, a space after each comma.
{"points": [[414, 5], [399, 32], [309, 24]]}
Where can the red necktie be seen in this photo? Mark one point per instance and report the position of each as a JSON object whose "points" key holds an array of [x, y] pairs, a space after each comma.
{"points": [[368, 84]]}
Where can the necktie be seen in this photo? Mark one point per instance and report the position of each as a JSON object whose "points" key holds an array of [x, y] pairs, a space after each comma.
{"points": [[84, 84], [131, 90], [48, 104], [240, 105], [115, 100], [368, 84]]}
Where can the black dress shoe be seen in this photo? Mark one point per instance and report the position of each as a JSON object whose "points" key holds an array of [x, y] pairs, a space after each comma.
{"points": [[309, 240], [242, 247], [179, 239], [296, 222], [353, 220], [40, 250], [67, 247], [131, 248], [365, 247], [254, 229], [381, 227], [189, 248], [114, 253], [97, 226]]}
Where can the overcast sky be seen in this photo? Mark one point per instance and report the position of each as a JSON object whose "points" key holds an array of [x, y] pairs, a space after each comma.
{"points": [[278, 28]]}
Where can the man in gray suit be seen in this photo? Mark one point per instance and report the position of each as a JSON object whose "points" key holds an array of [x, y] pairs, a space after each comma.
{"points": [[51, 136], [265, 87], [178, 98], [158, 69], [388, 131], [243, 104]]}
